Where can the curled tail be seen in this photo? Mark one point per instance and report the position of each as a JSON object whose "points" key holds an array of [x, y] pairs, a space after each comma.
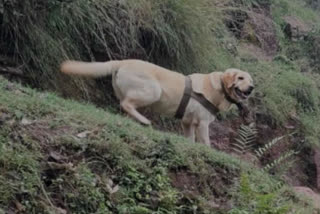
{"points": [[90, 69]]}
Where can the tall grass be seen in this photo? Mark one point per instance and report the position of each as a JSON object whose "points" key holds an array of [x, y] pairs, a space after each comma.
{"points": [[173, 33]]}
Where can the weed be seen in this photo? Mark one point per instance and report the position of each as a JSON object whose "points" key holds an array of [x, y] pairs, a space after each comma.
{"points": [[253, 201]]}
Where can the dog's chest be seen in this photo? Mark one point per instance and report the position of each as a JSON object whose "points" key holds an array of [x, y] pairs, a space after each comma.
{"points": [[224, 105]]}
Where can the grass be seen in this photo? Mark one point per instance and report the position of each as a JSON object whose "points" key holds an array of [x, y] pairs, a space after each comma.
{"points": [[283, 91], [118, 166], [170, 33], [185, 35]]}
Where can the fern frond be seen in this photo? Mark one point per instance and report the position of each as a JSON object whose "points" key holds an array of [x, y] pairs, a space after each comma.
{"points": [[246, 137], [279, 160], [265, 148]]}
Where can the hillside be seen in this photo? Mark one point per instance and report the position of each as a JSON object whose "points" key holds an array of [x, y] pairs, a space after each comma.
{"points": [[60, 156], [63, 156]]}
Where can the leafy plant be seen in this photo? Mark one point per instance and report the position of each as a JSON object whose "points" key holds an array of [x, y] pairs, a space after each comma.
{"points": [[279, 160], [254, 202], [246, 139], [276, 162], [262, 150]]}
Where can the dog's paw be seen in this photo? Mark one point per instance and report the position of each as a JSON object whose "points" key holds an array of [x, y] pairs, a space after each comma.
{"points": [[146, 123]]}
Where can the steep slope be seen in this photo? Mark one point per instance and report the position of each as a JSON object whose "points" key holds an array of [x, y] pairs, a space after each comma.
{"points": [[276, 41], [59, 156]]}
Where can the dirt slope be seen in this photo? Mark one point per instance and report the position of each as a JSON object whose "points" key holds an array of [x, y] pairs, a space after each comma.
{"points": [[58, 156]]}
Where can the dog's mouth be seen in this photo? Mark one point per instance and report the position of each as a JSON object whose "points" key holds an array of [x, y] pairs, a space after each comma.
{"points": [[243, 94]]}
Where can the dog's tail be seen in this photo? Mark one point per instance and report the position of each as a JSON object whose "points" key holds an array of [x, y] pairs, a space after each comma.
{"points": [[90, 69]]}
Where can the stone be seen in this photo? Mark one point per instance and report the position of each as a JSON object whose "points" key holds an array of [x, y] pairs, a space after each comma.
{"points": [[309, 193], [295, 29]]}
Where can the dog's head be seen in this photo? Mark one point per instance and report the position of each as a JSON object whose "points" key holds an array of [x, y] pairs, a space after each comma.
{"points": [[238, 84]]}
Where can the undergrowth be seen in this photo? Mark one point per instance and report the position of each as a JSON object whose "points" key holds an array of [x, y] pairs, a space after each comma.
{"points": [[102, 163], [60, 156], [255, 202]]}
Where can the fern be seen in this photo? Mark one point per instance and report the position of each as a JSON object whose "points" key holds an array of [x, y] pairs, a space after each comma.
{"points": [[261, 151], [276, 162], [279, 160], [247, 136]]}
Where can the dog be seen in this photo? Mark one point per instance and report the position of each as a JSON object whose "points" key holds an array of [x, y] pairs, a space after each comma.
{"points": [[138, 83]]}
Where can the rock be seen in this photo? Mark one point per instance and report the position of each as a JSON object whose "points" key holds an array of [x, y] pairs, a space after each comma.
{"points": [[26, 122], [55, 156], [309, 193], [259, 29], [59, 210], [83, 134], [295, 29]]}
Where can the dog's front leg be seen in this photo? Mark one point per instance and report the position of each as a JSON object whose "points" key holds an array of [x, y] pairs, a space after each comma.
{"points": [[189, 131], [203, 133]]}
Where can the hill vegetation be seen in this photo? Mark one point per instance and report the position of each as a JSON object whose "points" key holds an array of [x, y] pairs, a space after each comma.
{"points": [[59, 156], [62, 156]]}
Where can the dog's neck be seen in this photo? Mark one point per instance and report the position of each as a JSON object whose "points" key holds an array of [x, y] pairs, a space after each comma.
{"points": [[229, 98], [213, 92], [218, 95]]}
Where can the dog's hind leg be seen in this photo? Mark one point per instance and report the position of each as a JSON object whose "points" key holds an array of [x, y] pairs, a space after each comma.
{"points": [[128, 105], [136, 90]]}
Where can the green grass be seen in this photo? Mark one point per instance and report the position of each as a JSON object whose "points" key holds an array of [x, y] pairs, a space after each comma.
{"points": [[46, 166], [175, 34], [294, 8], [185, 35], [283, 92]]}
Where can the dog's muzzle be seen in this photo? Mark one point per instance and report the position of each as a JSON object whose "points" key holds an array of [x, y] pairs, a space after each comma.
{"points": [[244, 94], [249, 91]]}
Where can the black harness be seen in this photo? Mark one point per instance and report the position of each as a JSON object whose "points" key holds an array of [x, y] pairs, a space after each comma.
{"points": [[188, 93]]}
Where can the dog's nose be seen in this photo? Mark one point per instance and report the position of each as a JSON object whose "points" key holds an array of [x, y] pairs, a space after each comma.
{"points": [[250, 89]]}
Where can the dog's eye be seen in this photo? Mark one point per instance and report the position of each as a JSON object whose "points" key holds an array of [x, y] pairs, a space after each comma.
{"points": [[240, 78]]}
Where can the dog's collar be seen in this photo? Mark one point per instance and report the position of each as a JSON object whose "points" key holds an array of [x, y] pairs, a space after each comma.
{"points": [[231, 100]]}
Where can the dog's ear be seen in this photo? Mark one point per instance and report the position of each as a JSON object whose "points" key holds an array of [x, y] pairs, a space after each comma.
{"points": [[228, 78]]}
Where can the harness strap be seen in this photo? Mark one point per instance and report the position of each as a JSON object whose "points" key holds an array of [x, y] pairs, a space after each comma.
{"points": [[185, 98], [188, 93], [204, 102]]}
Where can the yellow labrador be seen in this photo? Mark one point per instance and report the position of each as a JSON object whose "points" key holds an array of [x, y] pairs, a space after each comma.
{"points": [[142, 84]]}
